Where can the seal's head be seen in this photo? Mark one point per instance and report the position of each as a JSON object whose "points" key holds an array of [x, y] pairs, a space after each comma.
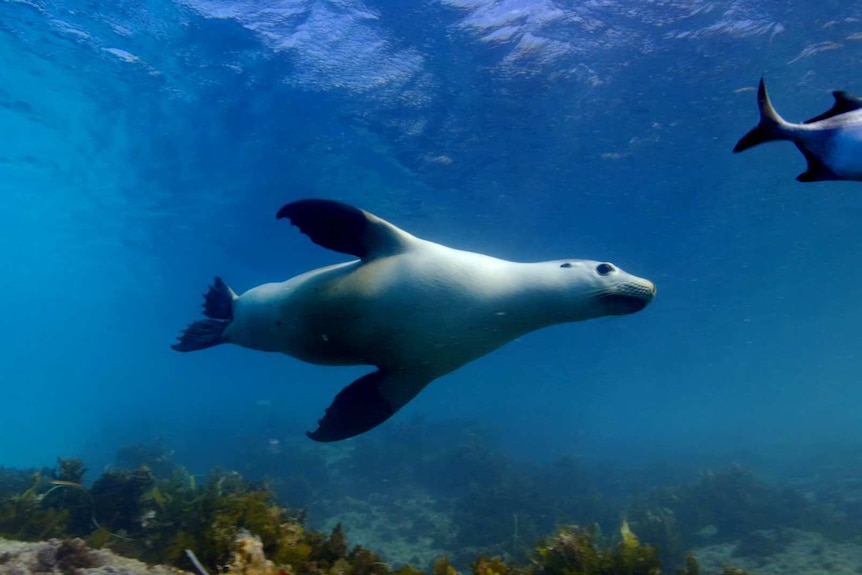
{"points": [[604, 288], [625, 293]]}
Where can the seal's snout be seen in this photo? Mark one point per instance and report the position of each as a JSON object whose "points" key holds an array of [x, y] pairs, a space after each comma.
{"points": [[629, 297]]}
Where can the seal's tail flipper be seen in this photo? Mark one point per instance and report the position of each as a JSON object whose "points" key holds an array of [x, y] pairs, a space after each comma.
{"points": [[201, 335], [366, 403], [772, 127], [218, 306], [218, 301]]}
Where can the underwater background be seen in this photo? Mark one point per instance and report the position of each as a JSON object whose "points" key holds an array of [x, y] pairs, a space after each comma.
{"points": [[146, 146]]}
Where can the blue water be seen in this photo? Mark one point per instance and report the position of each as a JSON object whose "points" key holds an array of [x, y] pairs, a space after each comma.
{"points": [[146, 147]]}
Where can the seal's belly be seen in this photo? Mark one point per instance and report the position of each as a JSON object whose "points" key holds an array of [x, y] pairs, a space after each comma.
{"points": [[411, 314], [839, 149], [436, 334], [845, 153]]}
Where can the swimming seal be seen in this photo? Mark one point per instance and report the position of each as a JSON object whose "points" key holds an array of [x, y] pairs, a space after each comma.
{"points": [[831, 142], [415, 309]]}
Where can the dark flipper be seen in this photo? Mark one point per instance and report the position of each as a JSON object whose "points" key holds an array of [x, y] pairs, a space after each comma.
{"points": [[345, 229], [771, 127], [201, 335], [218, 301], [218, 306], [844, 103], [817, 171], [365, 404]]}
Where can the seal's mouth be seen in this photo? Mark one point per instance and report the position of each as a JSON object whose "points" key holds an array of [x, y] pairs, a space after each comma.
{"points": [[629, 297]]}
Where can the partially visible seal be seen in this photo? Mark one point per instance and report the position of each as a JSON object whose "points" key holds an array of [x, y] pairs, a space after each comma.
{"points": [[415, 309], [831, 142]]}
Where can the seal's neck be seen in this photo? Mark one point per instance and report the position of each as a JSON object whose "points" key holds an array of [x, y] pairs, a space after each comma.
{"points": [[543, 297]]}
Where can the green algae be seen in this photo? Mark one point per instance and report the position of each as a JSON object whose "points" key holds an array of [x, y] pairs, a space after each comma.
{"points": [[229, 521]]}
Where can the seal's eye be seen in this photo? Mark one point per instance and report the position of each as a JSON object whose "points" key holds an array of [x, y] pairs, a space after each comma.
{"points": [[566, 265], [604, 269]]}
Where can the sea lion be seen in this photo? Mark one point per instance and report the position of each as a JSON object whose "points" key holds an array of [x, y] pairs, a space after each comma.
{"points": [[415, 309], [831, 142]]}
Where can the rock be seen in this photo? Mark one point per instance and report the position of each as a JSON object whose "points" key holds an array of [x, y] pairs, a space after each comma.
{"points": [[70, 557]]}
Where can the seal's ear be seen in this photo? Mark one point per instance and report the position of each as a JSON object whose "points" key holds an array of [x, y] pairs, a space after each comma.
{"points": [[366, 403], [345, 229]]}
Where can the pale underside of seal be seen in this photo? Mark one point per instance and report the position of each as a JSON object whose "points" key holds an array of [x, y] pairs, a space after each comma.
{"points": [[415, 309]]}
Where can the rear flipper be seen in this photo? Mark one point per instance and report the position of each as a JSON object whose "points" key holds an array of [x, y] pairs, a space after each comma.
{"points": [[366, 403], [201, 335], [218, 306], [218, 301], [772, 127]]}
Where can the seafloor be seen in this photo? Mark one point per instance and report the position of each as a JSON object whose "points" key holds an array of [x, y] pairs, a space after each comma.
{"points": [[417, 496], [23, 558], [808, 554]]}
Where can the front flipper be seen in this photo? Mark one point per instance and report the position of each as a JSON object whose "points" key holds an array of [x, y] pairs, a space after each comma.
{"points": [[817, 171], [345, 229], [844, 103], [366, 403]]}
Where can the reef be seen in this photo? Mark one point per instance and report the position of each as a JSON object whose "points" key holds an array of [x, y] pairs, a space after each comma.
{"points": [[476, 500], [572, 551], [156, 520], [414, 496], [229, 524], [15, 481], [70, 557], [731, 506]]}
